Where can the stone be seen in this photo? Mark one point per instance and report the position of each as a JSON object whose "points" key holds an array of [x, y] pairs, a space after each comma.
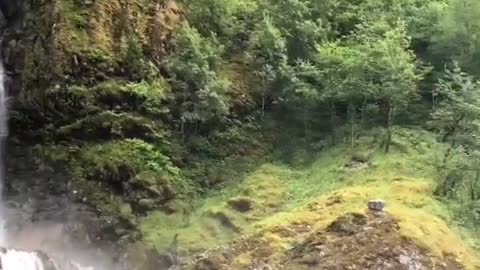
{"points": [[241, 204], [146, 204], [376, 205], [361, 157]]}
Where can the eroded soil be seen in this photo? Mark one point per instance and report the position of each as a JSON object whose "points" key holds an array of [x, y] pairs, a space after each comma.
{"points": [[353, 241]]}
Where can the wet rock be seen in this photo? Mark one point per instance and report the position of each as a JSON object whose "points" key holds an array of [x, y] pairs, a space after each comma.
{"points": [[361, 157], [241, 204], [152, 183], [376, 205], [147, 204], [143, 258]]}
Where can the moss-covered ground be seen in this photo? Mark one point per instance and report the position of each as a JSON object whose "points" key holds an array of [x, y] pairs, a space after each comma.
{"points": [[276, 196]]}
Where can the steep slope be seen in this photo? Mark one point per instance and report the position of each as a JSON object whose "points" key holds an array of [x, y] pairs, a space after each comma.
{"points": [[278, 213]]}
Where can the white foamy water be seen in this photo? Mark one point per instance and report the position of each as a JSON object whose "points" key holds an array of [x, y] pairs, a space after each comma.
{"points": [[3, 137], [13, 259], [10, 258]]}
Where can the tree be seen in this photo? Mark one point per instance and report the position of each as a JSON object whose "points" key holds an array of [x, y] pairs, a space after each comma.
{"points": [[374, 65], [268, 51], [455, 115], [302, 88], [229, 20], [457, 34], [392, 68], [456, 107], [300, 26], [200, 91], [343, 70]]}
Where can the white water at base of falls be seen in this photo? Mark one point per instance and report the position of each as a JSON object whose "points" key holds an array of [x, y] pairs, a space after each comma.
{"points": [[3, 137], [13, 259]]}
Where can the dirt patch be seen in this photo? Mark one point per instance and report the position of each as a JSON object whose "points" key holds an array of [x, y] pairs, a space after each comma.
{"points": [[357, 241], [353, 241]]}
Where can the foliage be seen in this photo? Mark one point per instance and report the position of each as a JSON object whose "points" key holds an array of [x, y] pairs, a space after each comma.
{"points": [[456, 36], [457, 107], [229, 20], [268, 50], [199, 90], [456, 113]]}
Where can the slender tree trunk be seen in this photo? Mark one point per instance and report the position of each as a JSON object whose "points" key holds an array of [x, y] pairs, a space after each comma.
{"points": [[332, 120], [263, 105], [390, 110], [364, 111], [305, 122], [433, 103], [444, 187], [263, 97], [473, 188], [351, 112]]}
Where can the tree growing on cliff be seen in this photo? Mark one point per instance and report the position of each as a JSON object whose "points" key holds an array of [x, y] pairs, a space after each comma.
{"points": [[199, 90], [268, 51]]}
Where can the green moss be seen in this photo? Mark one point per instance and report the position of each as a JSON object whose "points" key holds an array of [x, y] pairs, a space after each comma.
{"points": [[111, 125], [145, 96], [111, 174], [129, 156], [274, 190]]}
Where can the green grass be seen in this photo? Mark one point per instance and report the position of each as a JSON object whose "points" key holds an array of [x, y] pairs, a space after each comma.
{"points": [[282, 195]]}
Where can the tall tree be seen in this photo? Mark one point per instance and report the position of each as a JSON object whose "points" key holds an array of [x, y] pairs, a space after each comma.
{"points": [[392, 69], [200, 91], [268, 51], [455, 115], [343, 71], [457, 34]]}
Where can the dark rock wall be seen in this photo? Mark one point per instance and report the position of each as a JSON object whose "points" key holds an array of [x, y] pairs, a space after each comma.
{"points": [[12, 34]]}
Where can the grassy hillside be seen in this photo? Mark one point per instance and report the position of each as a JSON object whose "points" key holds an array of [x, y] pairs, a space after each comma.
{"points": [[276, 197]]}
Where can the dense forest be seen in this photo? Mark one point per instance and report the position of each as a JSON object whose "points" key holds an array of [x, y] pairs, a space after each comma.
{"points": [[153, 107]]}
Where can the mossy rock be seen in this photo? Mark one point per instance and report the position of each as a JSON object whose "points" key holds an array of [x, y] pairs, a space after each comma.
{"points": [[160, 186], [362, 157], [146, 97], [147, 204], [110, 125], [140, 257], [241, 204], [126, 213]]}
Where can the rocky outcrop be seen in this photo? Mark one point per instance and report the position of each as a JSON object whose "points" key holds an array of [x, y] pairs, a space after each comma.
{"points": [[11, 10], [353, 241]]}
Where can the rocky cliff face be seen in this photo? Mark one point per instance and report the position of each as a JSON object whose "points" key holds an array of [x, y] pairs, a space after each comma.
{"points": [[51, 49], [12, 33]]}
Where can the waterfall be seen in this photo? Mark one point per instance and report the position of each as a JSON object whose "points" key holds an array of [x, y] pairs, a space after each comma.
{"points": [[13, 259], [10, 258], [3, 137]]}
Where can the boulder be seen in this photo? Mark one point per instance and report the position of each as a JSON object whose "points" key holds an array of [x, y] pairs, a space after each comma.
{"points": [[376, 205]]}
